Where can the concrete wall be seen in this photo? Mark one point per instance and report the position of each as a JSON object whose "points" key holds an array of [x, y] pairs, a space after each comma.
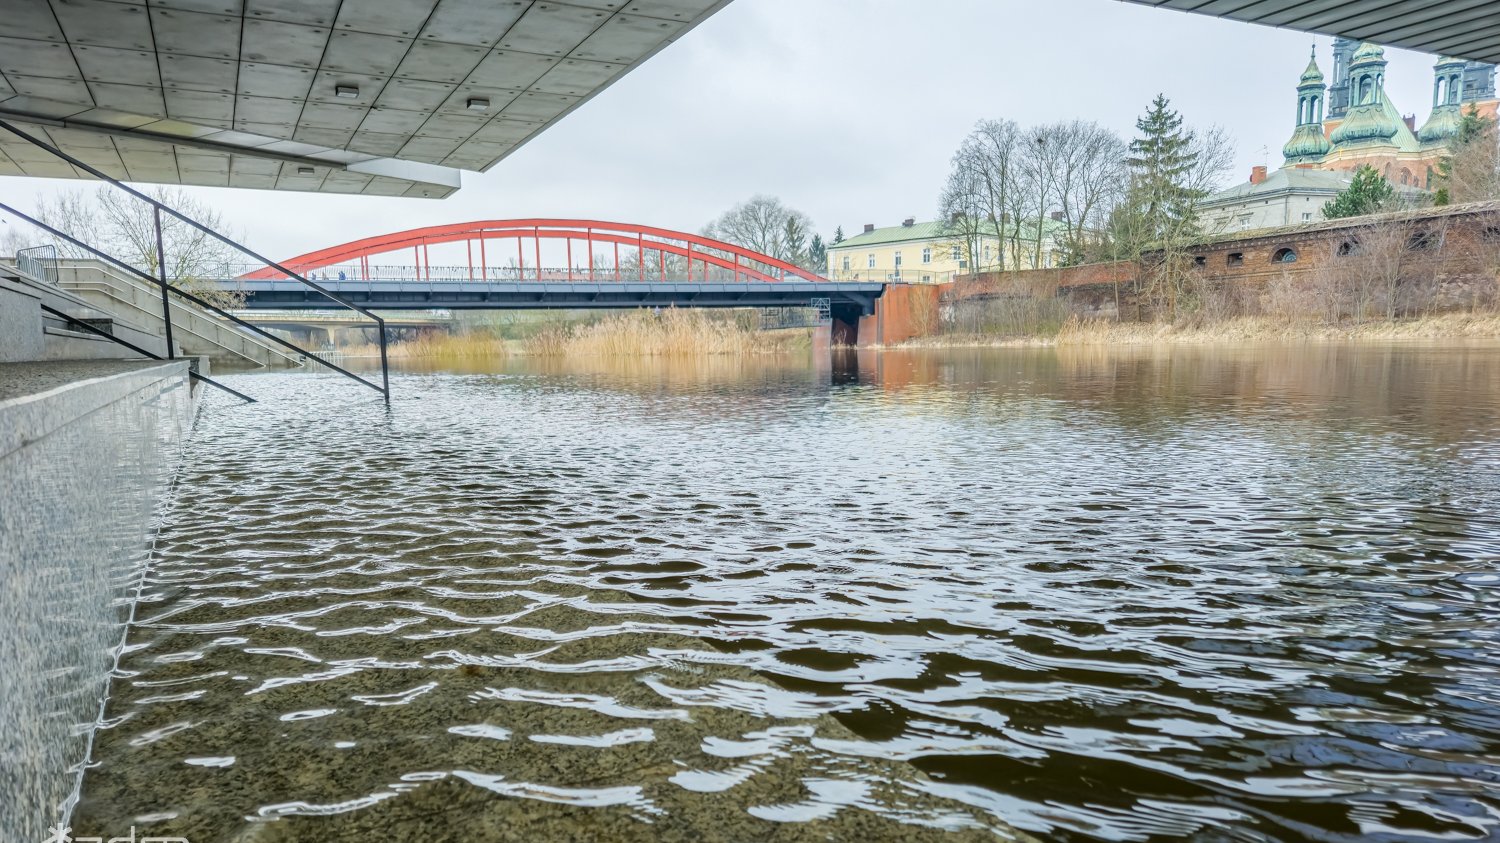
{"points": [[20, 326], [87, 450]]}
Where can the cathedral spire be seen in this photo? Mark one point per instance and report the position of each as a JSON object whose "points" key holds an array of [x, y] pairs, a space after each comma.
{"points": [[1308, 145], [1448, 93], [1371, 120]]}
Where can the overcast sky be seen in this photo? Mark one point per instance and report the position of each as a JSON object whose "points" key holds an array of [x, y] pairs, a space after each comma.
{"points": [[846, 109]]}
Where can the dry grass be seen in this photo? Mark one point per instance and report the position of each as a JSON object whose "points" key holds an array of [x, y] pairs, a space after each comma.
{"points": [[1087, 332], [641, 333], [669, 333], [1271, 329], [466, 346]]}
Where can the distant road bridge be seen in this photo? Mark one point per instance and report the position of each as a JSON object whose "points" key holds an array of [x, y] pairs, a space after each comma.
{"points": [[552, 263], [316, 328]]}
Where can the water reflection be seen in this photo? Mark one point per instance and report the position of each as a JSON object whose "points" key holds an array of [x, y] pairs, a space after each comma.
{"points": [[1133, 595]]}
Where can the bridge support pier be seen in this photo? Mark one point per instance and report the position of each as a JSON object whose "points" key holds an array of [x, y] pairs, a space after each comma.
{"points": [[309, 337], [844, 326]]}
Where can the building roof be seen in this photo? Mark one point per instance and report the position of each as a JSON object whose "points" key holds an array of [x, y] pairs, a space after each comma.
{"points": [[380, 97], [1288, 180], [937, 230]]}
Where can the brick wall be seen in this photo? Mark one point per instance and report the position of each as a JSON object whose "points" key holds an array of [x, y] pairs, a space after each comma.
{"points": [[1463, 245], [903, 312]]}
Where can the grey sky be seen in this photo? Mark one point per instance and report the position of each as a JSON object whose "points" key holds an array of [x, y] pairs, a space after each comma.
{"points": [[846, 109]]}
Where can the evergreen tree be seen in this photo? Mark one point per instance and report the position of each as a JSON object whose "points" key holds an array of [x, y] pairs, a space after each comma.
{"points": [[1163, 195], [1369, 193], [817, 255], [838, 235]]}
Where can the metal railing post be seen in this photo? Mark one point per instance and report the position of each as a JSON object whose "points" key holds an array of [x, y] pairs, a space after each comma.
{"points": [[385, 371], [161, 272]]}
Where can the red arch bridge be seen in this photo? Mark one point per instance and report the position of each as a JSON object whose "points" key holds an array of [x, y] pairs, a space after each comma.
{"points": [[549, 263]]}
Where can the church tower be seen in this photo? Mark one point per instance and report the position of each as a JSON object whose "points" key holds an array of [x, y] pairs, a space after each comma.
{"points": [[1370, 120], [1479, 82], [1448, 95], [1338, 95], [1308, 145]]}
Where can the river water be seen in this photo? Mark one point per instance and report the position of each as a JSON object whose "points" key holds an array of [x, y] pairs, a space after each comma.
{"points": [[1211, 594]]}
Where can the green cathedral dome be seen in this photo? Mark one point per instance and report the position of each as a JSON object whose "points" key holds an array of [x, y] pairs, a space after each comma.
{"points": [[1369, 122], [1312, 75], [1307, 146], [1368, 52], [1443, 125]]}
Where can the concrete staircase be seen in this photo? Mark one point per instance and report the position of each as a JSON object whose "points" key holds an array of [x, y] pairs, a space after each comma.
{"points": [[197, 332], [29, 333]]}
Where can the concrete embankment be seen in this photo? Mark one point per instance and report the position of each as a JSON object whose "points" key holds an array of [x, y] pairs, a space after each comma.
{"points": [[87, 451]]}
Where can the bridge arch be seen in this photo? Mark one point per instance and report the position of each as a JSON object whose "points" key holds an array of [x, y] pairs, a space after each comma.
{"points": [[512, 250]]}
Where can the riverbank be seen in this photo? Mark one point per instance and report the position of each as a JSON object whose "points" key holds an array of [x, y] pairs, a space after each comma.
{"points": [[1077, 332]]}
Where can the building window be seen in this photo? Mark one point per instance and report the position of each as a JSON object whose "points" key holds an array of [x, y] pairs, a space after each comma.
{"points": [[1245, 221], [870, 262], [1307, 217], [986, 253], [926, 279], [1199, 260], [1284, 256], [898, 261], [927, 255], [1349, 247], [957, 253], [1236, 259], [846, 263]]}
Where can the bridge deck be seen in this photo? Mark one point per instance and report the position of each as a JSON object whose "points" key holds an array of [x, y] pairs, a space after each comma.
{"points": [[406, 295]]}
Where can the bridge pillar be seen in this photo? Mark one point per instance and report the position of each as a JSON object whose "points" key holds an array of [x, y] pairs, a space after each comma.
{"points": [[822, 341]]}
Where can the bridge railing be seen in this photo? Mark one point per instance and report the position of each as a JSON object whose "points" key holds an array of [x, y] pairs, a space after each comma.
{"points": [[391, 273]]}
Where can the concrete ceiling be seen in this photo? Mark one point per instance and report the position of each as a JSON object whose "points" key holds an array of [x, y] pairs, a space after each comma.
{"points": [[377, 97], [1467, 29]]}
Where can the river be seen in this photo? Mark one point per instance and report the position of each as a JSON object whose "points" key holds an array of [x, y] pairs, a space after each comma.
{"points": [[1097, 594]]}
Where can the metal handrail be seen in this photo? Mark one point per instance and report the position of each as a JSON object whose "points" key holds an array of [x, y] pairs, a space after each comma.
{"points": [[40, 262], [384, 388], [138, 350], [104, 256]]}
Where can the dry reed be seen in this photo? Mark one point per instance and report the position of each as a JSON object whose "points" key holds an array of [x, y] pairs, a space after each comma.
{"points": [[670, 332]]}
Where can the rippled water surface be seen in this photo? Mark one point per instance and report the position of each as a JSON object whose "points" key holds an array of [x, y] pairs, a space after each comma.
{"points": [[1128, 595]]}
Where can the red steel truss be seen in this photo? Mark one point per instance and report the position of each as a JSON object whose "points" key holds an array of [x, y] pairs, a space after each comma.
{"points": [[492, 238]]}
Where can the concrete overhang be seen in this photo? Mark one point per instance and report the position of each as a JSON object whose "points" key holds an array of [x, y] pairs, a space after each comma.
{"points": [[374, 97], [1468, 29]]}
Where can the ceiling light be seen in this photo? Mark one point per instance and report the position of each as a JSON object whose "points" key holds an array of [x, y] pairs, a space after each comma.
{"points": [[479, 104], [348, 92]]}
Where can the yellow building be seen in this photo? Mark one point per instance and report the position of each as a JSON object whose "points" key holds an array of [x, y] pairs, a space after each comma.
{"points": [[934, 253]]}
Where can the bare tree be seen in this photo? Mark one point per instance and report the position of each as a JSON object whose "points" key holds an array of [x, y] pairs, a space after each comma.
{"points": [[1085, 171], [763, 224], [1472, 172], [983, 184], [125, 227], [1006, 183]]}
